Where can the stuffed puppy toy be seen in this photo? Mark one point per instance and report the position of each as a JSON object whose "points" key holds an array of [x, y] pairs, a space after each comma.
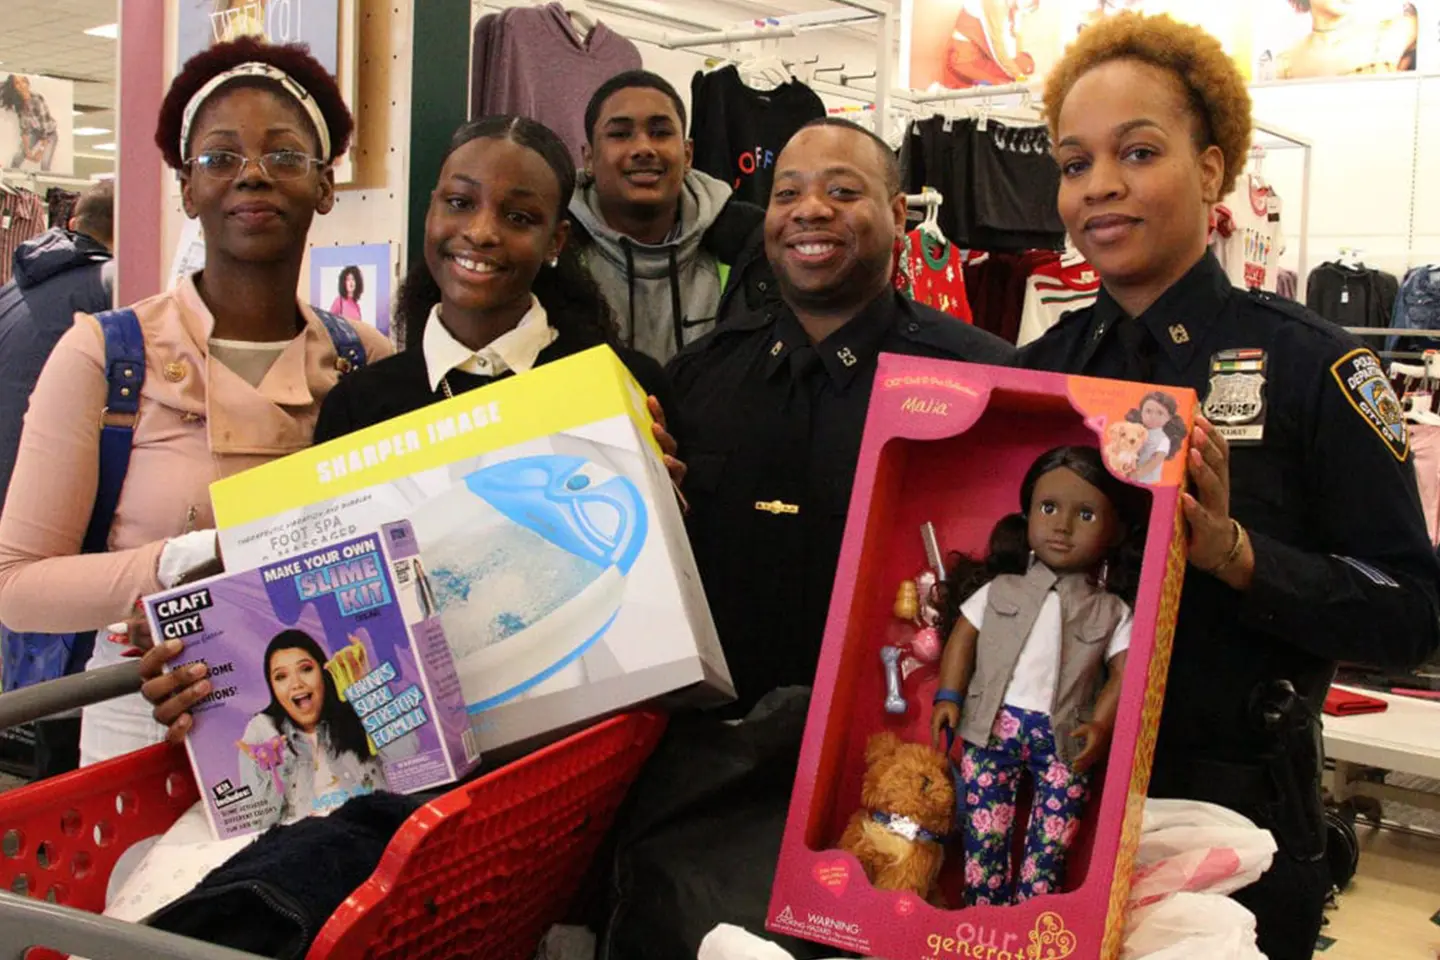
{"points": [[1123, 441], [907, 809]]}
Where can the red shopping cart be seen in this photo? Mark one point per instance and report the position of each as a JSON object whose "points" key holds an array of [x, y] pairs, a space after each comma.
{"points": [[480, 872]]}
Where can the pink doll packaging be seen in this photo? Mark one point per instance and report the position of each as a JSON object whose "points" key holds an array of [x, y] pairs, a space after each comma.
{"points": [[952, 455]]}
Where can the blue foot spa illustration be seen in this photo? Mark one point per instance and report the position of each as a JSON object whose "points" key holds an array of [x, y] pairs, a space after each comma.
{"points": [[527, 561]]}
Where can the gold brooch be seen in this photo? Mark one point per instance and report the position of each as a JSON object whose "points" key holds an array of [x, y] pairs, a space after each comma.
{"points": [[1179, 334], [176, 370], [776, 507]]}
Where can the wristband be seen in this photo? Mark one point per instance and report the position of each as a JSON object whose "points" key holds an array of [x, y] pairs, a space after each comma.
{"points": [[949, 696], [1235, 551]]}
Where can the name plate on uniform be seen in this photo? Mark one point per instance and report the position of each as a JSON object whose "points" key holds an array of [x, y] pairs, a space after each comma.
{"points": [[1235, 402]]}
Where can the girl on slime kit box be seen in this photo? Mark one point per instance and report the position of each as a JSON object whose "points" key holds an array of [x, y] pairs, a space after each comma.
{"points": [[331, 679]]}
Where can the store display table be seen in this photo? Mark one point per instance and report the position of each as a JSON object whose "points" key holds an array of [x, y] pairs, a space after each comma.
{"points": [[1404, 739]]}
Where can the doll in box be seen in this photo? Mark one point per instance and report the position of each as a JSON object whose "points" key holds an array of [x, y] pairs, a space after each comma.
{"points": [[1030, 674]]}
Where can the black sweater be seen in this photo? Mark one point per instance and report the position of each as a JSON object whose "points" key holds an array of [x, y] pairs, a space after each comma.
{"points": [[398, 385]]}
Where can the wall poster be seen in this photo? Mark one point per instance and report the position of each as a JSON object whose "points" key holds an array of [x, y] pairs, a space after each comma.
{"points": [[970, 43], [36, 124], [353, 282]]}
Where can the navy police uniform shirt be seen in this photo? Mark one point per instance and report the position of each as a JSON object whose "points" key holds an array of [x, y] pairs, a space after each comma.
{"points": [[773, 434], [1321, 477]]}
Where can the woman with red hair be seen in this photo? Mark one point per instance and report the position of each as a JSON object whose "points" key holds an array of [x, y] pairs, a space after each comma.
{"points": [[235, 366]]}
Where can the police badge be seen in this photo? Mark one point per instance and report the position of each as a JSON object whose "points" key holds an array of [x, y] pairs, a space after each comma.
{"points": [[1235, 403]]}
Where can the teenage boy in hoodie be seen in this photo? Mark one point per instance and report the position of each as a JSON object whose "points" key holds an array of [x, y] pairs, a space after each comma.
{"points": [[658, 237], [56, 274]]}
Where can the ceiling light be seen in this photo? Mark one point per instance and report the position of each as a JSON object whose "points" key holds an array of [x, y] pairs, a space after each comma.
{"points": [[108, 32], [109, 147], [90, 131]]}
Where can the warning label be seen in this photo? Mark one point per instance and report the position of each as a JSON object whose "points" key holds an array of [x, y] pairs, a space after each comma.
{"points": [[817, 926]]}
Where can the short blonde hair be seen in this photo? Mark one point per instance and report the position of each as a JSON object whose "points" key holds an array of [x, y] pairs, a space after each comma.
{"points": [[1217, 93]]}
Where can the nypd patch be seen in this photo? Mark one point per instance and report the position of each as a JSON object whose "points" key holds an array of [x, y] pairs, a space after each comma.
{"points": [[1362, 379]]}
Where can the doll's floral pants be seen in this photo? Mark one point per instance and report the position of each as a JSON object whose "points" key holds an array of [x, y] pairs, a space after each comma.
{"points": [[987, 781]]}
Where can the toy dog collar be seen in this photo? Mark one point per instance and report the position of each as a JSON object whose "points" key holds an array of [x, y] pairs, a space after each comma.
{"points": [[905, 827]]}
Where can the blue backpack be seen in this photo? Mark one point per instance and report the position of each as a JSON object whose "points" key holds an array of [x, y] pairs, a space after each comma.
{"points": [[31, 658]]}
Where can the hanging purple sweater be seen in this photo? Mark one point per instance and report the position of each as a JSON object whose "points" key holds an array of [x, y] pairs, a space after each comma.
{"points": [[530, 61]]}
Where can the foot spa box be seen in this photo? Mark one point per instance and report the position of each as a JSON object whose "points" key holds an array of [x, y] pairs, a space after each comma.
{"points": [[550, 535], [330, 679], [1001, 843]]}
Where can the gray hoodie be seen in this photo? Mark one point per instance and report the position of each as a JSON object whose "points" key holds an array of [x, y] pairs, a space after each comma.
{"points": [[661, 290]]}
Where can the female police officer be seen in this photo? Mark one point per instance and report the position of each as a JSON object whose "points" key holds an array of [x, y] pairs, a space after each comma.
{"points": [[1307, 543]]}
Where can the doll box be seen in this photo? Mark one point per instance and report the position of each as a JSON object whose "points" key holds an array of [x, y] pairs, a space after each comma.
{"points": [[553, 546], [330, 679], [948, 443]]}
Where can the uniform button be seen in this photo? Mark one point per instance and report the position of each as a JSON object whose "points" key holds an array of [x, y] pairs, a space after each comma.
{"points": [[914, 328], [762, 286]]}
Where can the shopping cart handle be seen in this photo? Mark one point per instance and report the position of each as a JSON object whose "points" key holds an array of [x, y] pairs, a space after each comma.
{"points": [[26, 923], [68, 693]]}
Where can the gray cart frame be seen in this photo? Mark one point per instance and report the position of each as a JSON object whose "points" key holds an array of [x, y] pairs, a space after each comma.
{"points": [[26, 922]]}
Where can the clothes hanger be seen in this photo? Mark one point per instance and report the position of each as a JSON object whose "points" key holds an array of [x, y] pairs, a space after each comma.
{"points": [[580, 17], [1071, 255], [1350, 257], [930, 226], [767, 69]]}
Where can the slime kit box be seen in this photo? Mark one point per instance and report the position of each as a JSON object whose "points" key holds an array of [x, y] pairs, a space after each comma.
{"points": [[330, 679], [554, 545], [945, 448]]}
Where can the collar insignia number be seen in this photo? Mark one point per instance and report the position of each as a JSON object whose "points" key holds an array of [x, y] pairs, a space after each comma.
{"points": [[775, 350], [776, 507], [846, 357], [1362, 379], [1235, 402], [1179, 334], [176, 370]]}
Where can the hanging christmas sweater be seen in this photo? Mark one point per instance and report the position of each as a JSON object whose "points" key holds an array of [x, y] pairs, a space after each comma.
{"points": [[1054, 289], [930, 272]]}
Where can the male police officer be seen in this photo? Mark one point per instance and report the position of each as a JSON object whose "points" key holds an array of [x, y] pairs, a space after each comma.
{"points": [[774, 400]]}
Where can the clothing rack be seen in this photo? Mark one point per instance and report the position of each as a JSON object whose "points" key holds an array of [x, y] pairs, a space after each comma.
{"points": [[1427, 357]]}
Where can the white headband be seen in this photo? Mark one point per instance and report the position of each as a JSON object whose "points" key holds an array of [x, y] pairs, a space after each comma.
{"points": [[268, 72]]}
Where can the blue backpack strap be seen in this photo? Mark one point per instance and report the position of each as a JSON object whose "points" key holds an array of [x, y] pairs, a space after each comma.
{"points": [[124, 375], [349, 350]]}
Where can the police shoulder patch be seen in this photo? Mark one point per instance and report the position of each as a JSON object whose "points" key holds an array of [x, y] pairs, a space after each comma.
{"points": [[1362, 379]]}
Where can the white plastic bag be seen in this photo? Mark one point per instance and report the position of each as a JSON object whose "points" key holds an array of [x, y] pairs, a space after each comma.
{"points": [[1192, 847], [1192, 855], [1191, 926], [728, 942]]}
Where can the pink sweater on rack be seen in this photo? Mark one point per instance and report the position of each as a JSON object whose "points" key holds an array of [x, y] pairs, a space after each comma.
{"points": [[198, 422]]}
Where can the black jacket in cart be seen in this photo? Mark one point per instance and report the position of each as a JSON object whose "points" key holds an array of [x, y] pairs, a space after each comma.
{"points": [[739, 131], [1322, 478]]}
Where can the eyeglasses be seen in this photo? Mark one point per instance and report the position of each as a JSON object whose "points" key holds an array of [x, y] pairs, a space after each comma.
{"points": [[277, 165]]}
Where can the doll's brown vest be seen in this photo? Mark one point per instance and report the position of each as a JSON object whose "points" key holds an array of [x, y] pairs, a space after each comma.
{"points": [[1088, 616]]}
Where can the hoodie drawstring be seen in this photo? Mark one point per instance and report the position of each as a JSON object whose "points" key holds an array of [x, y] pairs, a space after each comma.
{"points": [[675, 308], [630, 284]]}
